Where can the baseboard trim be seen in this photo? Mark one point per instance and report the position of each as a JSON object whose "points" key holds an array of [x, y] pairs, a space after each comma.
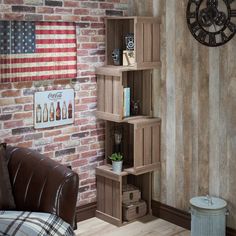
{"points": [[178, 217], [86, 211]]}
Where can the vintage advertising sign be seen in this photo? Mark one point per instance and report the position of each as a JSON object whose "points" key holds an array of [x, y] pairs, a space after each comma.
{"points": [[53, 108]]}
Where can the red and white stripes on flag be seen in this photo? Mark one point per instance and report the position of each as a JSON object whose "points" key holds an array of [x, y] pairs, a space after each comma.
{"points": [[54, 55]]}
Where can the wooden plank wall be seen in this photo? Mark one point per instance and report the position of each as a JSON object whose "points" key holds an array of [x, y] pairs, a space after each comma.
{"points": [[195, 95]]}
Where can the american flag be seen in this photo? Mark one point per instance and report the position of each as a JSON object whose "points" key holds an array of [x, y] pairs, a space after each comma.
{"points": [[37, 50]]}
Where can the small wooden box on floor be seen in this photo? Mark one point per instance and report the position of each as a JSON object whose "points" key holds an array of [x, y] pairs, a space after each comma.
{"points": [[109, 193], [134, 210], [130, 194]]}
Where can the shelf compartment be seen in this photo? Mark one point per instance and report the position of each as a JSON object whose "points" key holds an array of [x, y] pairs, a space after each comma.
{"points": [[110, 92], [146, 39], [109, 194], [140, 144]]}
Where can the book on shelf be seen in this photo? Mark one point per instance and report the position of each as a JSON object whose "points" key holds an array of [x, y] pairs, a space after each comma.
{"points": [[126, 105]]}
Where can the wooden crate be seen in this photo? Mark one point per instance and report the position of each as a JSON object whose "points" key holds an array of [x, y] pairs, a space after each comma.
{"points": [[134, 210], [130, 194], [111, 84], [109, 192], [146, 37], [140, 143]]}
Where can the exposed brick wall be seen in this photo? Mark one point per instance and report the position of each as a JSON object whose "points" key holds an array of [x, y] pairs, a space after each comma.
{"points": [[80, 144]]}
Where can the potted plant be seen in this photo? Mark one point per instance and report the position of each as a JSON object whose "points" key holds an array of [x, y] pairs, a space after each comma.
{"points": [[117, 161]]}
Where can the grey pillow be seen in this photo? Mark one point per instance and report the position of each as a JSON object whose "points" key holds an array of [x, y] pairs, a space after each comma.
{"points": [[6, 197]]}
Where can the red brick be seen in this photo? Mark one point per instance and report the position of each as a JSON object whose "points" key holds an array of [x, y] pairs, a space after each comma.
{"points": [[5, 86], [88, 100], [14, 139], [81, 11], [49, 154], [52, 133], [70, 130], [92, 59], [97, 25], [89, 18], [13, 2], [87, 181], [46, 10], [89, 45], [53, 147], [26, 84], [13, 124], [97, 132], [83, 39], [13, 16], [63, 10], [104, 5], [23, 115], [78, 163], [23, 100], [5, 8], [11, 93], [88, 154], [88, 194], [81, 66], [25, 144], [86, 141], [89, 5], [84, 175], [71, 18], [62, 138], [28, 107], [61, 82], [52, 17], [88, 32], [81, 121], [82, 52], [71, 4], [81, 108], [88, 127], [97, 145]]}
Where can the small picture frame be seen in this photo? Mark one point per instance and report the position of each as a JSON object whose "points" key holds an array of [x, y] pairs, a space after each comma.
{"points": [[53, 108]]}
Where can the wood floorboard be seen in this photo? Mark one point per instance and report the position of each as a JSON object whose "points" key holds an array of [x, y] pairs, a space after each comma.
{"points": [[147, 226]]}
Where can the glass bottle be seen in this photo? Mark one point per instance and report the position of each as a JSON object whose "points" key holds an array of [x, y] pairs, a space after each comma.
{"points": [[64, 111], [70, 110], [38, 114], [52, 111], [45, 113], [58, 111]]}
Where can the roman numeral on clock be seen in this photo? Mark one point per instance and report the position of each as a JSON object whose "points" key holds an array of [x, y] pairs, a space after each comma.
{"points": [[233, 13]]}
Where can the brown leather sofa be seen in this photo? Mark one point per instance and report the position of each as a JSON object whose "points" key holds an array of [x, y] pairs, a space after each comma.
{"points": [[40, 184]]}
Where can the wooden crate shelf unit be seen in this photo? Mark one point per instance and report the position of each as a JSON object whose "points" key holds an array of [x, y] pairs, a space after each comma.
{"points": [[111, 93], [146, 32]]}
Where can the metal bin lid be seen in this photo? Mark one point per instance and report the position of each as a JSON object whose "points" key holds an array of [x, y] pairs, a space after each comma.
{"points": [[208, 203]]}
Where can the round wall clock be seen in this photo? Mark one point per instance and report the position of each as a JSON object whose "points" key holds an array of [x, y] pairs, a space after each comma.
{"points": [[212, 22]]}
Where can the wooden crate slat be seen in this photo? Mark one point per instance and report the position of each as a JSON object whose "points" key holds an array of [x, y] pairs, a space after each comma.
{"points": [[138, 147], [146, 93], [100, 193], [139, 50], [101, 92], [156, 143], [108, 94], [156, 42], [147, 42], [116, 199], [110, 43], [116, 95], [108, 194], [147, 145]]}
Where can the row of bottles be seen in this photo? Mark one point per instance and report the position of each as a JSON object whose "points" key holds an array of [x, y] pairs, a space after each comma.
{"points": [[45, 114]]}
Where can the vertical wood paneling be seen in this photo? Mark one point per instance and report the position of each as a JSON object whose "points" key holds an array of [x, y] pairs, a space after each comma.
{"points": [[147, 41], [138, 147], [116, 96], [101, 92], [147, 145], [108, 94], [116, 199], [155, 144], [108, 193], [195, 95], [100, 193]]}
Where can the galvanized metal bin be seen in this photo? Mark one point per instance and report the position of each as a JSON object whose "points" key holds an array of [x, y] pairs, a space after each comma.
{"points": [[208, 216]]}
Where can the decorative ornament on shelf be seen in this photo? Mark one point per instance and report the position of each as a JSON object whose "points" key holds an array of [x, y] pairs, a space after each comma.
{"points": [[117, 56], [211, 22], [129, 41], [117, 162]]}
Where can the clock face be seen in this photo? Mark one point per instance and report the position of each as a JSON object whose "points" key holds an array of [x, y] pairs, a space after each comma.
{"points": [[212, 22]]}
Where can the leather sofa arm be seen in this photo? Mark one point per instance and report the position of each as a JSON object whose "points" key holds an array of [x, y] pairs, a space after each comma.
{"points": [[40, 184]]}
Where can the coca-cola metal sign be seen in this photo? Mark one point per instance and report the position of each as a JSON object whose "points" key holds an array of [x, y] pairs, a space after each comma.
{"points": [[53, 108]]}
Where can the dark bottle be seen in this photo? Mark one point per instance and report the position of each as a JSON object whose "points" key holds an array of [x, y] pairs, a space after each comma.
{"points": [[58, 111], [52, 112], [70, 110]]}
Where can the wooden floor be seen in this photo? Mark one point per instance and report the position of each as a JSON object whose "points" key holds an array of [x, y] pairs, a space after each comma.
{"points": [[148, 226]]}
